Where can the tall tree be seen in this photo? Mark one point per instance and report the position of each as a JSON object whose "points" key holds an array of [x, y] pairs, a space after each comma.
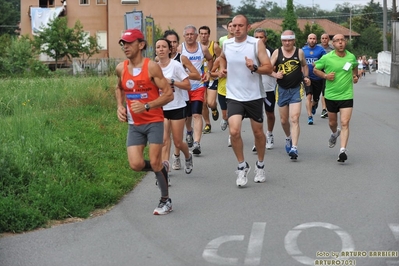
{"points": [[10, 16], [313, 28], [272, 9], [58, 41], [290, 23], [250, 10]]}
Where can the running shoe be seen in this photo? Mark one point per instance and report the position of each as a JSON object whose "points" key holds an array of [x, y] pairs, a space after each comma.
{"points": [[288, 145], [242, 173], [196, 148], [314, 108], [189, 139], [324, 113], [223, 125], [207, 129], [333, 138], [310, 120], [176, 165], [260, 175], [215, 114], [164, 207], [269, 141], [254, 148], [293, 153], [188, 167], [342, 156], [229, 141]]}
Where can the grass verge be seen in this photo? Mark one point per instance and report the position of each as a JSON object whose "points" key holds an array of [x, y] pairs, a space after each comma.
{"points": [[62, 151]]}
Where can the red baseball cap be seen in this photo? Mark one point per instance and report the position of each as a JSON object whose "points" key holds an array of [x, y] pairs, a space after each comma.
{"points": [[131, 35]]}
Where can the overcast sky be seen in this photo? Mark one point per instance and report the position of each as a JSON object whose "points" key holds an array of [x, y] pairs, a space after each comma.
{"points": [[325, 5]]}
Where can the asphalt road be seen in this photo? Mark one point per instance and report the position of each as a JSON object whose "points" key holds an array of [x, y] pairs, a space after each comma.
{"points": [[308, 210]]}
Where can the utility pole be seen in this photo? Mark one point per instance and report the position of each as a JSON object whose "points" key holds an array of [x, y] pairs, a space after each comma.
{"points": [[384, 26], [350, 24], [394, 11]]}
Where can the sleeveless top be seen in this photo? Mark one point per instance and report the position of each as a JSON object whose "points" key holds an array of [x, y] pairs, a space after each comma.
{"points": [[140, 88], [242, 85], [211, 49], [196, 59], [178, 58], [291, 69]]}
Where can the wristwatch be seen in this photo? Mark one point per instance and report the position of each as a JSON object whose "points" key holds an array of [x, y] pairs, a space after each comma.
{"points": [[255, 69], [172, 82], [147, 107]]}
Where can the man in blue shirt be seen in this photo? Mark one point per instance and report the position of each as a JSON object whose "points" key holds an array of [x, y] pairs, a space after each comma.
{"points": [[313, 53]]}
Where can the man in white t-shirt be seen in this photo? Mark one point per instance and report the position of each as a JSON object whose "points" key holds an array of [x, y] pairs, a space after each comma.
{"points": [[269, 84], [244, 60]]}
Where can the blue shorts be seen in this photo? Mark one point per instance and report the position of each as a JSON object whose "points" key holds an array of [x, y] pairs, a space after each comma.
{"points": [[288, 96]]}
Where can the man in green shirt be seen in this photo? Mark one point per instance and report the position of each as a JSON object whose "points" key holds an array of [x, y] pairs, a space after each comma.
{"points": [[340, 72]]}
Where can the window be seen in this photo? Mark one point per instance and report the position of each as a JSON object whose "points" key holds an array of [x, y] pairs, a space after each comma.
{"points": [[46, 3], [126, 2], [102, 40], [101, 2], [84, 2]]}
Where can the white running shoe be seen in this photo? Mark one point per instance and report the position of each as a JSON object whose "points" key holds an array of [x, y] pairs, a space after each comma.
{"points": [[164, 207], [333, 139], [223, 125], [188, 167], [196, 148], [260, 175], [253, 149], [242, 173], [176, 165], [269, 141]]}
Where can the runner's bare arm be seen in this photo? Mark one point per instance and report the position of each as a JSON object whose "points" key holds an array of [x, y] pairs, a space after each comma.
{"points": [[209, 60], [120, 95], [265, 64], [193, 73], [217, 49], [222, 65]]}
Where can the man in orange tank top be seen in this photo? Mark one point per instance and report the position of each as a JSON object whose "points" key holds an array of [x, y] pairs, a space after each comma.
{"points": [[141, 92]]}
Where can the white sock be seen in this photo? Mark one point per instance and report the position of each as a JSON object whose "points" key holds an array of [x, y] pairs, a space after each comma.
{"points": [[242, 164]]}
